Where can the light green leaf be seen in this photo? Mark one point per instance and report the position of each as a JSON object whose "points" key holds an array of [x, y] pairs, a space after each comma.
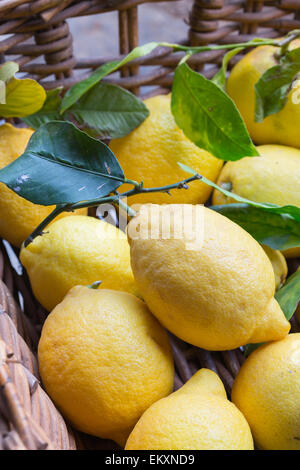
{"points": [[274, 85], [78, 90], [208, 117], [220, 77], [23, 97], [292, 211], [288, 296], [49, 111], [8, 71]]}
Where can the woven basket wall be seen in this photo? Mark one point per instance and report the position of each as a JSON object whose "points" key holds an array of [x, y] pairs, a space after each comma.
{"points": [[35, 34]]}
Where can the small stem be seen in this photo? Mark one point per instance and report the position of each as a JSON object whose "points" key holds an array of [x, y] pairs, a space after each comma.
{"points": [[39, 230], [117, 198], [284, 44], [126, 208], [194, 49], [95, 285], [181, 185], [134, 183]]}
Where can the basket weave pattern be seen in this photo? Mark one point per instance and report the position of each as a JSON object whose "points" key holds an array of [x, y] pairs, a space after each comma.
{"points": [[35, 34]]}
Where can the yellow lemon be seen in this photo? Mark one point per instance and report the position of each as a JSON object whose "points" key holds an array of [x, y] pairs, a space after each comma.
{"points": [[204, 277], [279, 264], [267, 391], [150, 154], [77, 250], [104, 359], [273, 177], [280, 128], [18, 217], [198, 416]]}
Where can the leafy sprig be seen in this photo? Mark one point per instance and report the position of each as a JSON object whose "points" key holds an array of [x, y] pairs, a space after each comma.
{"points": [[68, 168]]}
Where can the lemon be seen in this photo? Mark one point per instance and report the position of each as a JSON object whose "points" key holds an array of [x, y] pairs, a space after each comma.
{"points": [[198, 416], [280, 128], [273, 177], [150, 154], [18, 217], [77, 250], [104, 359], [267, 391], [215, 291], [279, 264]]}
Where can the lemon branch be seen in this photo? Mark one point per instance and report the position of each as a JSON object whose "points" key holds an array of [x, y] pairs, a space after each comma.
{"points": [[286, 41], [113, 198]]}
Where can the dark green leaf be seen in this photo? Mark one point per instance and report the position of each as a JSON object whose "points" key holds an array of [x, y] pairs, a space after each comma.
{"points": [[249, 348], [293, 211], [288, 296], [274, 85], [278, 231], [78, 90], [111, 110], [208, 117], [49, 111], [62, 165], [220, 77]]}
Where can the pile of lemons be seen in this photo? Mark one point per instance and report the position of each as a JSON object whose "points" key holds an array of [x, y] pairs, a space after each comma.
{"points": [[105, 356]]}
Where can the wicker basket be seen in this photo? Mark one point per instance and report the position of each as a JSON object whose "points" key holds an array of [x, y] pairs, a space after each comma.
{"points": [[35, 34]]}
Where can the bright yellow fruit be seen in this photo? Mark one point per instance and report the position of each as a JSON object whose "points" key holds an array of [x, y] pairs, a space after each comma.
{"points": [[273, 177], [280, 128], [150, 154], [267, 391], [77, 251], [198, 416], [218, 294], [18, 217], [104, 359], [279, 264]]}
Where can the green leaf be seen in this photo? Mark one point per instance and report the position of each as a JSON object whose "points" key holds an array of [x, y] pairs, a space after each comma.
{"points": [[292, 211], [113, 111], [288, 296], [49, 112], [274, 85], [78, 90], [208, 117], [278, 231], [62, 165], [249, 348], [220, 77], [8, 71], [23, 97]]}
